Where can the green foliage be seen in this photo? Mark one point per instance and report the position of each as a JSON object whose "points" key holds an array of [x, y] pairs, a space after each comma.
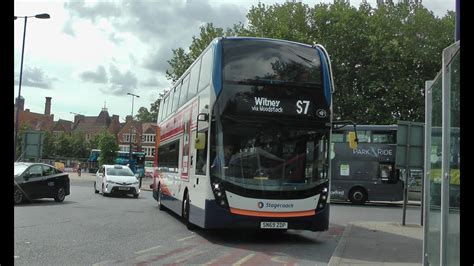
{"points": [[49, 148], [144, 115], [108, 146], [181, 60], [93, 143], [179, 63], [79, 146], [381, 57], [64, 145], [21, 130]]}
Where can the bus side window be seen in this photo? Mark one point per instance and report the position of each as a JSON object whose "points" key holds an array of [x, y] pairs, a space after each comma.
{"points": [[201, 158]]}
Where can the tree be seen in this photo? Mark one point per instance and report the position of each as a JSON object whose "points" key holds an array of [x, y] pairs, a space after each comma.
{"points": [[108, 147], [381, 57], [64, 145], [49, 148], [144, 116], [179, 63], [78, 145], [181, 60]]}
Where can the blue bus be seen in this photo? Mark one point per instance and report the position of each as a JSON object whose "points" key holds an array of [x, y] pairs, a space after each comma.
{"points": [[137, 164], [262, 109]]}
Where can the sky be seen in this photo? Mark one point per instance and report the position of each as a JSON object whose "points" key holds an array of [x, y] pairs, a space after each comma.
{"points": [[90, 54]]}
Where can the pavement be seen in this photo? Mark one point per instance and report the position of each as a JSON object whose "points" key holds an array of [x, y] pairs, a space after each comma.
{"points": [[362, 243], [379, 243]]}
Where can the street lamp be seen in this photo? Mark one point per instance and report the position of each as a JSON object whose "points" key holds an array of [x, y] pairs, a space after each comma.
{"points": [[40, 16], [133, 128]]}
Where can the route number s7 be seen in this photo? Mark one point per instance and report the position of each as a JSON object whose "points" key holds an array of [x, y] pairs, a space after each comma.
{"points": [[302, 107]]}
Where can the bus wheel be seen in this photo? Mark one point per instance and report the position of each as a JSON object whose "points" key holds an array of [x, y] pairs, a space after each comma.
{"points": [[358, 196], [186, 209], [160, 194]]}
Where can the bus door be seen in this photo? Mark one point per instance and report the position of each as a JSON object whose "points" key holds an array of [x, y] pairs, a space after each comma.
{"points": [[200, 161], [185, 154]]}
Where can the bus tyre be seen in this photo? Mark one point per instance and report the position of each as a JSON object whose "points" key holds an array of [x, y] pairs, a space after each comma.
{"points": [[186, 209], [160, 195], [358, 196]]}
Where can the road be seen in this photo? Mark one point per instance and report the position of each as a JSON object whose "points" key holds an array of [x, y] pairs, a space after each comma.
{"points": [[89, 229]]}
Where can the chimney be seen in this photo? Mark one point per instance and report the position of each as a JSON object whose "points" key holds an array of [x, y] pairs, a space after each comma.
{"points": [[47, 106], [20, 101], [128, 118], [27, 110]]}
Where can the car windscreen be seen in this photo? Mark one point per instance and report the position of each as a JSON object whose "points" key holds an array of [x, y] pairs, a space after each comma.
{"points": [[19, 169], [119, 171]]}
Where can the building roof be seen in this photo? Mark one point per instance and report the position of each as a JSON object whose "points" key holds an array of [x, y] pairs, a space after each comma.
{"points": [[40, 122], [62, 125], [149, 128]]}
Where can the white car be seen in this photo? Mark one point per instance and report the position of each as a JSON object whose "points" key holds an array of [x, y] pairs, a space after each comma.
{"points": [[116, 179]]}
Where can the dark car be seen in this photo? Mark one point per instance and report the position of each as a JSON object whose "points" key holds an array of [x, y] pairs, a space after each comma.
{"points": [[39, 180]]}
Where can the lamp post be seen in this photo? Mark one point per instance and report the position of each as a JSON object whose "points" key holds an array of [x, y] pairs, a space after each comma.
{"points": [[40, 16], [132, 128]]}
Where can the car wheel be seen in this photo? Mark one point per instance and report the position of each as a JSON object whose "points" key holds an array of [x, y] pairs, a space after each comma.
{"points": [[358, 196], [17, 196], [160, 195], [95, 188], [60, 195], [185, 212], [135, 195]]}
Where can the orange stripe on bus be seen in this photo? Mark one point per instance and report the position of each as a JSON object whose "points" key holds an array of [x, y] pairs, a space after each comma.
{"points": [[272, 214]]}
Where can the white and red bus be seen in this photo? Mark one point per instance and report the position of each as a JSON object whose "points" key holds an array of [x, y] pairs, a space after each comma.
{"points": [[244, 137]]}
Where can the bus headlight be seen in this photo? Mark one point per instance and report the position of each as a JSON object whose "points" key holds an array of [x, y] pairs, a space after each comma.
{"points": [[322, 199], [219, 194]]}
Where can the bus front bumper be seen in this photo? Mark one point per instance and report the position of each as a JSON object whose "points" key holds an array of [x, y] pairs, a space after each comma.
{"points": [[217, 217]]}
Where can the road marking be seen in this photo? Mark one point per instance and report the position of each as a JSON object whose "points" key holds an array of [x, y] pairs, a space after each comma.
{"points": [[216, 259], [182, 239], [243, 260], [103, 262], [183, 259], [146, 250]]}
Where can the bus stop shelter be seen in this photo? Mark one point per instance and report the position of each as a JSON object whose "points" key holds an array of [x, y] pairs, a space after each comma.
{"points": [[441, 242]]}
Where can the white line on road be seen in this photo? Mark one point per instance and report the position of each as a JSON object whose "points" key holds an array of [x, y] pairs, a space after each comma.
{"points": [[146, 250], [182, 239], [103, 263], [246, 258]]}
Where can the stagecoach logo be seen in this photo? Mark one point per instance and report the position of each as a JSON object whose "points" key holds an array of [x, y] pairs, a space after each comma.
{"points": [[263, 104], [270, 205], [321, 113]]}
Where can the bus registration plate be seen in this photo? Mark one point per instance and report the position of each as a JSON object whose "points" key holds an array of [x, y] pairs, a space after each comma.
{"points": [[274, 225]]}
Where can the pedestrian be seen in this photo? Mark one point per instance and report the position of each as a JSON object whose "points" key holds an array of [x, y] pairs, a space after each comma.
{"points": [[79, 169]]}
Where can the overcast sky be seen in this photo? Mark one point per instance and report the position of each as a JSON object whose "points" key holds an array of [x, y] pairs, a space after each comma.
{"points": [[91, 53]]}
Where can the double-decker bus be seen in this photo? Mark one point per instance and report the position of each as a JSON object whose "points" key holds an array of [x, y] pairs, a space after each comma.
{"points": [[137, 164], [244, 137], [93, 161], [366, 173]]}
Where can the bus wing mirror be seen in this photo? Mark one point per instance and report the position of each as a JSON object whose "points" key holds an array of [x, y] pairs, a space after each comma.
{"points": [[352, 140], [200, 141]]}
